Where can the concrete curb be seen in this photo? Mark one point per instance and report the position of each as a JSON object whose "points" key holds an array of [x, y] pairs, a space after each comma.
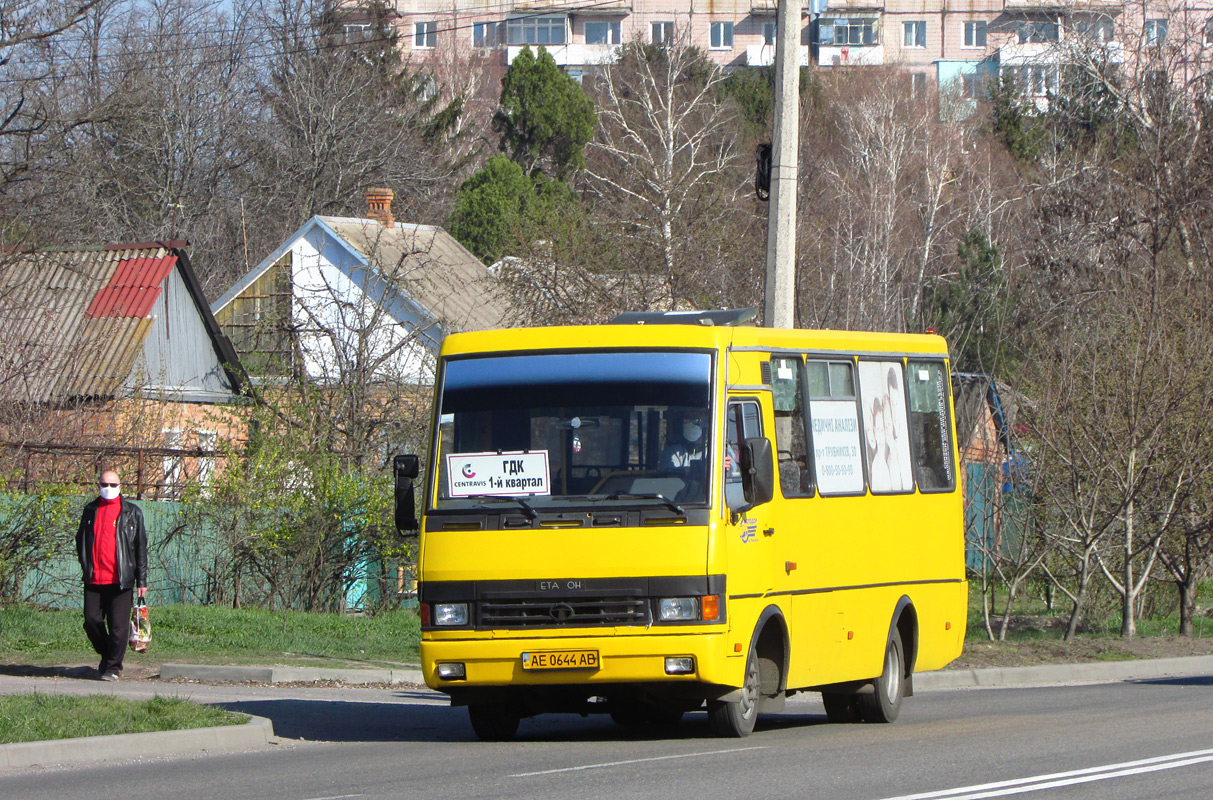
{"points": [[1059, 674], [257, 732], [253, 674]]}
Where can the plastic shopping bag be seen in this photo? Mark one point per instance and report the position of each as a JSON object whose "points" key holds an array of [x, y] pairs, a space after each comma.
{"points": [[141, 627]]}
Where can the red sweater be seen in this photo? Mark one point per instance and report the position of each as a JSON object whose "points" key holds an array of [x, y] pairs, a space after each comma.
{"points": [[105, 542]]}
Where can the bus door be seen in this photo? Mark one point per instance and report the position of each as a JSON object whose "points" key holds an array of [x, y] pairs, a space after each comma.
{"points": [[750, 531]]}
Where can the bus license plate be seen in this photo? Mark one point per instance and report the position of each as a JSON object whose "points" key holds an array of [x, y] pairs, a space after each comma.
{"points": [[561, 659]]}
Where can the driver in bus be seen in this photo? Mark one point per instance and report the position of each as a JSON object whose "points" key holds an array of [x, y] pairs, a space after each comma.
{"points": [[684, 453]]}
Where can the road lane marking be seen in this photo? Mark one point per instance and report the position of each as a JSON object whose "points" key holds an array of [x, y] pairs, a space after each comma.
{"points": [[1058, 779], [606, 764], [337, 797]]}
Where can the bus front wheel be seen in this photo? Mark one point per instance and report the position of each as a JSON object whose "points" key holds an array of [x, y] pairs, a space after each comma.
{"points": [[493, 722], [884, 703], [736, 718]]}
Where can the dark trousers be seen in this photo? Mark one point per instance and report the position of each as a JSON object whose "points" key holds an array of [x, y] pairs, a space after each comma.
{"points": [[107, 621]]}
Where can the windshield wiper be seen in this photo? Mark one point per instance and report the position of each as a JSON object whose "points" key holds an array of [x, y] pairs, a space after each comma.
{"points": [[677, 509], [497, 498]]}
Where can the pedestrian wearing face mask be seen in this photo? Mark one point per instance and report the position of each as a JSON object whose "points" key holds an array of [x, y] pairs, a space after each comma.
{"points": [[112, 547]]}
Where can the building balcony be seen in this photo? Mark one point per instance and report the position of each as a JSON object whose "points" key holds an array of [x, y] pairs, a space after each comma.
{"points": [[1071, 51], [855, 5], [1109, 7], [763, 55], [850, 56], [572, 55], [607, 8], [769, 8]]}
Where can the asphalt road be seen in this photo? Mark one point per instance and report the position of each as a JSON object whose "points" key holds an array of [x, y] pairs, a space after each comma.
{"points": [[1141, 739]]}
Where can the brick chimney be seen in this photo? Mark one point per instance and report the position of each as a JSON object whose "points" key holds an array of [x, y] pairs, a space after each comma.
{"points": [[379, 206]]}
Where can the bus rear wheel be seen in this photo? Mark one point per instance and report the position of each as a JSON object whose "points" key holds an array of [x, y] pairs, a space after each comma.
{"points": [[493, 722], [884, 703], [735, 718]]}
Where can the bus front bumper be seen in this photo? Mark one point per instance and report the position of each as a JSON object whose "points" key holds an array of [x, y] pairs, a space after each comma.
{"points": [[454, 665]]}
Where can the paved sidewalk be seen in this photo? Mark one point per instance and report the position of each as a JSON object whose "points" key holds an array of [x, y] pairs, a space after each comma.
{"points": [[226, 683]]}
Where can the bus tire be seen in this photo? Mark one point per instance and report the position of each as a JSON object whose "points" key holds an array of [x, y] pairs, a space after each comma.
{"points": [[493, 722], [841, 708], [884, 703], [735, 718]]}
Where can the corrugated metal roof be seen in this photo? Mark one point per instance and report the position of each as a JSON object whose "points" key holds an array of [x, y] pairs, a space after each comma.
{"points": [[134, 286], [432, 268], [74, 321]]}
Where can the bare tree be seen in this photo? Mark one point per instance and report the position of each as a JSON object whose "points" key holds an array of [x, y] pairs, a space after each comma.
{"points": [[662, 164]]}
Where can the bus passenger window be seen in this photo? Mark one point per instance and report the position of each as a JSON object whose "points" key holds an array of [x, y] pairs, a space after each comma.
{"points": [[834, 425], [886, 441], [795, 479], [930, 426]]}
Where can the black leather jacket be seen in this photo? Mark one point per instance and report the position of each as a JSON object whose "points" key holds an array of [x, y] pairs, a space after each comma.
{"points": [[132, 544]]}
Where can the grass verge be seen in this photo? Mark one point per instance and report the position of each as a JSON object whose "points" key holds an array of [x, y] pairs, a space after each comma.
{"points": [[213, 635], [39, 717]]}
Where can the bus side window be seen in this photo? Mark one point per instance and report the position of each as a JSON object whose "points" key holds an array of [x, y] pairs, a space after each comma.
{"points": [[791, 445], [743, 421], [834, 424], [931, 426], [886, 442]]}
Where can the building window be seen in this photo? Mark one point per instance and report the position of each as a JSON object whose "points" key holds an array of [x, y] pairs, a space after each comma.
{"points": [[663, 33], [722, 36], [602, 33], [843, 31], [425, 35], [1099, 29], [1036, 31], [918, 84], [1156, 31], [768, 33], [971, 86], [1035, 80], [975, 33], [357, 32], [1209, 32], [914, 33], [486, 34], [535, 30]]}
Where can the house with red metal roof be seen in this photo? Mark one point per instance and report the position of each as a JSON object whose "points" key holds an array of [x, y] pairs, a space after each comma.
{"points": [[112, 351]]}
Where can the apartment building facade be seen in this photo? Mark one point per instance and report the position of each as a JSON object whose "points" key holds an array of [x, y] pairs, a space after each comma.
{"points": [[956, 45]]}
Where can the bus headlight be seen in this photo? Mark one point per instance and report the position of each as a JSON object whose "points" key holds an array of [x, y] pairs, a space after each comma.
{"points": [[678, 609], [450, 614]]}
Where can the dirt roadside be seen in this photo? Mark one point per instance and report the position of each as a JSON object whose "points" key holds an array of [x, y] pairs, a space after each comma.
{"points": [[1031, 652]]}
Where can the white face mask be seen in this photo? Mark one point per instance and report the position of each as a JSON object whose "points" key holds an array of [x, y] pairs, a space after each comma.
{"points": [[109, 492], [691, 431]]}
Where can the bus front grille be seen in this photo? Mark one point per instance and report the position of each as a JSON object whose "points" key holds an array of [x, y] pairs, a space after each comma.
{"points": [[548, 612]]}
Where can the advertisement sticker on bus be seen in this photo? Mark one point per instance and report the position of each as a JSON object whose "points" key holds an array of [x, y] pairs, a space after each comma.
{"points": [[471, 474], [836, 453]]}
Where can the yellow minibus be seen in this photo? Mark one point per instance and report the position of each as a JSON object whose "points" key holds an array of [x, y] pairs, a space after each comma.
{"points": [[679, 511]]}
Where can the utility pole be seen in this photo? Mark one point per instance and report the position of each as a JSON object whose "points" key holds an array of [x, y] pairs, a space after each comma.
{"points": [[779, 310]]}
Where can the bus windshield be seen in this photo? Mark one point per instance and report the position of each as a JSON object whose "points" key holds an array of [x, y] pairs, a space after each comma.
{"points": [[557, 429]]}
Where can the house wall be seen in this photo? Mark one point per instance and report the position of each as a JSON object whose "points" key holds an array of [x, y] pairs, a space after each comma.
{"points": [[178, 358], [159, 448], [342, 314]]}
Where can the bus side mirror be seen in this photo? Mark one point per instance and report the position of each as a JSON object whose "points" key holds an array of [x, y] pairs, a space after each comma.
{"points": [[405, 468], [757, 471]]}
